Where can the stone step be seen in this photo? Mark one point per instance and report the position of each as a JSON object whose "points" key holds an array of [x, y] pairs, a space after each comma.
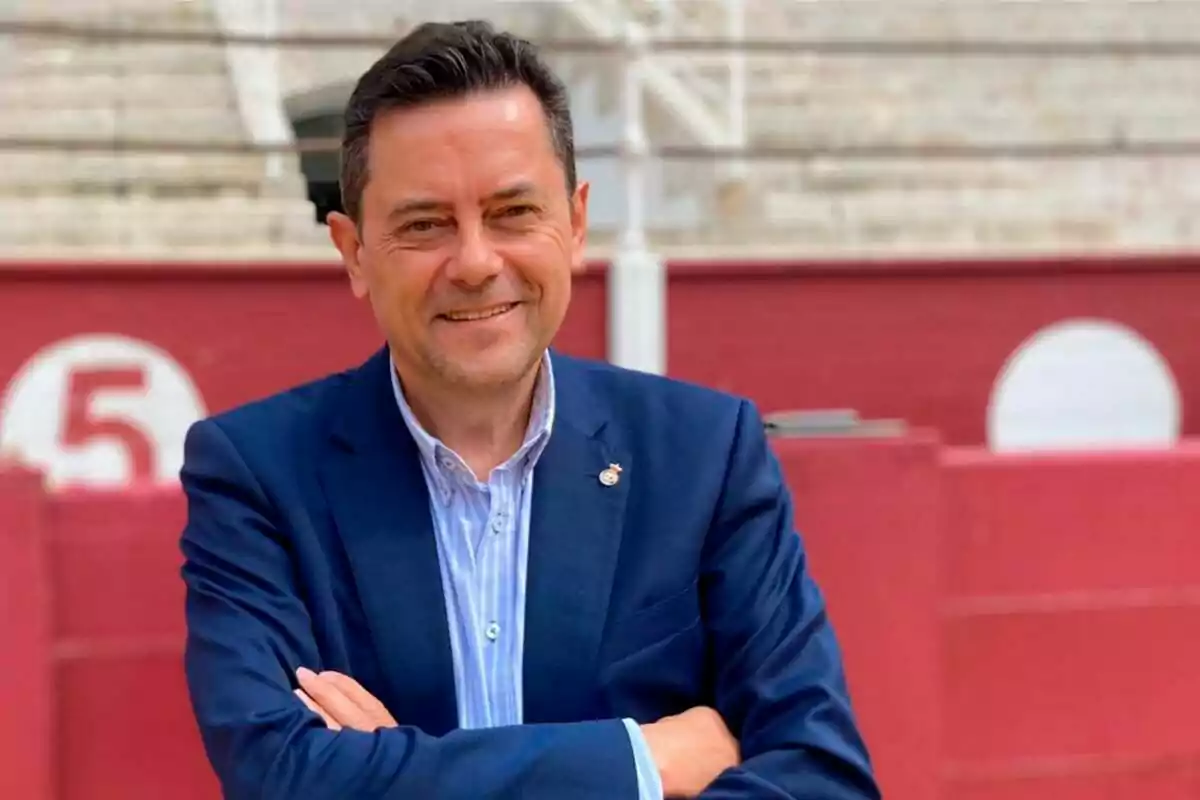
{"points": [[90, 91], [1125, 185], [172, 174], [1055, 20], [926, 236], [141, 222], [111, 11], [929, 79], [833, 178], [1106, 221], [154, 123], [861, 128], [172, 15], [36, 61], [942, 101]]}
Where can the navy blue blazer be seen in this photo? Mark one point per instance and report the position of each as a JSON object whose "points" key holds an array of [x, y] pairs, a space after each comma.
{"points": [[309, 543]]}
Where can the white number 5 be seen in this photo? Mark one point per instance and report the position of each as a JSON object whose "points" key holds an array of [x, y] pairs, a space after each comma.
{"points": [[100, 410]]}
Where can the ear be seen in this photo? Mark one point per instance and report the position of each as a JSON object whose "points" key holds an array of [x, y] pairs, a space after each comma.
{"points": [[344, 233], [579, 219]]}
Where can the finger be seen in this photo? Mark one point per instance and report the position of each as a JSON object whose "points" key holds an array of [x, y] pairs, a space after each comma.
{"points": [[361, 697], [330, 722], [329, 697]]}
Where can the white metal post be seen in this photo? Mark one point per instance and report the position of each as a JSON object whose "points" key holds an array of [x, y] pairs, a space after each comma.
{"points": [[637, 295], [255, 70]]}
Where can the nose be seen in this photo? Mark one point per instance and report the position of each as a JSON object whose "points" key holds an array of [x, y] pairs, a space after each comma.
{"points": [[476, 261]]}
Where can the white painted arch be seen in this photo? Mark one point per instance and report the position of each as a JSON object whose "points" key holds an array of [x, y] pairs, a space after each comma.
{"points": [[1084, 384]]}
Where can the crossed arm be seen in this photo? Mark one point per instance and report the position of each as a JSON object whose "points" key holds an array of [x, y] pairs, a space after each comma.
{"points": [[779, 686], [248, 631], [689, 749]]}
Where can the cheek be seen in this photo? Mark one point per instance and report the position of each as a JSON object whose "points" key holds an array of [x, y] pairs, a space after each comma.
{"points": [[398, 287], [543, 259], [555, 298], [550, 276]]}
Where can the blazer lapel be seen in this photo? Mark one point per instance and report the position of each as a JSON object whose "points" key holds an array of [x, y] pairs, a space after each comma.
{"points": [[377, 493], [575, 537]]}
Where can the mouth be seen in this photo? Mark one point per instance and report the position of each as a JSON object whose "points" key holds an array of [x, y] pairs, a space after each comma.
{"points": [[475, 315]]}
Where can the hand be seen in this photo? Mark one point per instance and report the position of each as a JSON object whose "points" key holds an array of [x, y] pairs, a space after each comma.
{"points": [[691, 749], [342, 702]]}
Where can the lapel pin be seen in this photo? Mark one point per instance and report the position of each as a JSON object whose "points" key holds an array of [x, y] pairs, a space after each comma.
{"points": [[610, 476]]}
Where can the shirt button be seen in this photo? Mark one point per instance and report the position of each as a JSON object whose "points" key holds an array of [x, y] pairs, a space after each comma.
{"points": [[498, 523], [493, 631]]}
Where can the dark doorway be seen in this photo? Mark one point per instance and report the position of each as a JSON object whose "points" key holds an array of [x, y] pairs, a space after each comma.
{"points": [[320, 168]]}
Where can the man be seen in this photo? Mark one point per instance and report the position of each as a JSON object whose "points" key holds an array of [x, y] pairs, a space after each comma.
{"points": [[474, 569]]}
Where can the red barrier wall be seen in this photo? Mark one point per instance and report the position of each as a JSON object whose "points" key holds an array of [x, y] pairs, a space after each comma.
{"points": [[1072, 612], [240, 332], [869, 512], [26, 664], [921, 341], [119, 633], [1013, 628]]}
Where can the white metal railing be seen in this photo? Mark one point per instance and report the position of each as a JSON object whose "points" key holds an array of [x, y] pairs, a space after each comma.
{"points": [[255, 72], [719, 80], [706, 92]]}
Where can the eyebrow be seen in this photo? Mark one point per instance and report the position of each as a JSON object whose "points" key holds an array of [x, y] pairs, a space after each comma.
{"points": [[419, 204], [514, 192]]}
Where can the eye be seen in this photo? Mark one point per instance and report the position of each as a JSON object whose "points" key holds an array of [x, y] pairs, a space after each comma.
{"points": [[517, 211], [421, 226]]}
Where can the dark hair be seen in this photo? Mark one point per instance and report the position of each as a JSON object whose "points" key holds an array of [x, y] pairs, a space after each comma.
{"points": [[440, 60]]}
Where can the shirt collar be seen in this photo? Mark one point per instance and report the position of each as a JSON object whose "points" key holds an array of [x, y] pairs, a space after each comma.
{"points": [[439, 460]]}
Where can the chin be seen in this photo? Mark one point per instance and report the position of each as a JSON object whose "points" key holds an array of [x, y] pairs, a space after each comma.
{"points": [[491, 369]]}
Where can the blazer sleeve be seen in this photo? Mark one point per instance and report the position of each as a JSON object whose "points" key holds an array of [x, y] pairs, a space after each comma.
{"points": [[780, 684], [246, 623]]}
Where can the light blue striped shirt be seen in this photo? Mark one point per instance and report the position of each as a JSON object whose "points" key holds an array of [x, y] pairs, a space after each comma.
{"points": [[482, 531]]}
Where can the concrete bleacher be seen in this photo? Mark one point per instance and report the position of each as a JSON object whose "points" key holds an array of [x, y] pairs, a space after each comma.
{"points": [[944, 101], [126, 200], [822, 204]]}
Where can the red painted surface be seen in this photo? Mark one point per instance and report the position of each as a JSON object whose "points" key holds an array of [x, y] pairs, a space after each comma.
{"points": [[1015, 629], [920, 341], [118, 649], [1072, 606], [923, 342], [27, 764], [985, 662], [239, 333], [79, 427], [869, 513]]}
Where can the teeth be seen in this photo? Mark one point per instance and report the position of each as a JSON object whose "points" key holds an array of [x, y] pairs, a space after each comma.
{"points": [[468, 316]]}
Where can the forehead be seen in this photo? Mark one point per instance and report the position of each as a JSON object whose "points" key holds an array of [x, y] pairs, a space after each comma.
{"points": [[462, 146]]}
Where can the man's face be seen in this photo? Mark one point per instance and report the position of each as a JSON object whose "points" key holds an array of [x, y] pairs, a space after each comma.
{"points": [[468, 238]]}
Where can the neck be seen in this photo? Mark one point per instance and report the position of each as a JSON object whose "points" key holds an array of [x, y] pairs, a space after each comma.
{"points": [[485, 428]]}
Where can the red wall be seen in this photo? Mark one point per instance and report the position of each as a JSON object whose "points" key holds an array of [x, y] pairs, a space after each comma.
{"points": [[26, 666], [241, 332], [921, 341], [1073, 604], [918, 341], [1014, 629]]}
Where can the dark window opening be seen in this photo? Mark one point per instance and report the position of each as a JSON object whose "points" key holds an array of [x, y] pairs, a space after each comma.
{"points": [[321, 168]]}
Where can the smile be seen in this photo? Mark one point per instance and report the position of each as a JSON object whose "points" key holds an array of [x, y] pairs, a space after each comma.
{"points": [[483, 313]]}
